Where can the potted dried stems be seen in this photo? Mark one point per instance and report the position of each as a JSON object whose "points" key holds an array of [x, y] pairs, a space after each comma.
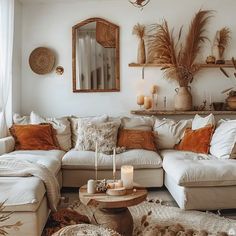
{"points": [[139, 31], [178, 60]]}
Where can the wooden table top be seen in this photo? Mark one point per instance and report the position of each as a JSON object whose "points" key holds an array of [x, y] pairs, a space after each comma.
{"points": [[102, 200]]}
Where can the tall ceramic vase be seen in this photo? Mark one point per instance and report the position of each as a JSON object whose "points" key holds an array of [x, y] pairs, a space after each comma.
{"points": [[183, 99], [141, 58]]}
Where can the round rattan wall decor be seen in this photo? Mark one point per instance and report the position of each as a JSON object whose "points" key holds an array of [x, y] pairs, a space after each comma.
{"points": [[42, 60]]}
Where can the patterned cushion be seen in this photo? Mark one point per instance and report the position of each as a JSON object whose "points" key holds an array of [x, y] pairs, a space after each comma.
{"points": [[105, 134], [136, 139]]}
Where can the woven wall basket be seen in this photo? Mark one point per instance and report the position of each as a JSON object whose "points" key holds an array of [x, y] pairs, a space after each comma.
{"points": [[41, 60]]}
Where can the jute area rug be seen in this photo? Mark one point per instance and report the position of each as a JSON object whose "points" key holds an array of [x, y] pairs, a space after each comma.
{"points": [[153, 219]]}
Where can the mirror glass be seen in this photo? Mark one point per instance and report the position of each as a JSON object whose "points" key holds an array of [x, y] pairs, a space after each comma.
{"points": [[96, 56]]}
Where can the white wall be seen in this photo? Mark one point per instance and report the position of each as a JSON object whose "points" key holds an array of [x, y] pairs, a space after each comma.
{"points": [[49, 24]]}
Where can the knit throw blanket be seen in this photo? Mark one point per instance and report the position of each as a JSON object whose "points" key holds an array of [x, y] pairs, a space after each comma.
{"points": [[14, 168]]}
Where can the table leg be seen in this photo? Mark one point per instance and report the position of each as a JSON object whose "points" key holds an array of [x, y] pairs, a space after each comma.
{"points": [[118, 219]]}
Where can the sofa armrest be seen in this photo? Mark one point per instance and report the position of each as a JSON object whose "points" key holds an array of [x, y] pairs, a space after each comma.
{"points": [[7, 145]]}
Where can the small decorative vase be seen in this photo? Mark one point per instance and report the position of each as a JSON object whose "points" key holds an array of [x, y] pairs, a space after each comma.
{"points": [[141, 58], [183, 99]]}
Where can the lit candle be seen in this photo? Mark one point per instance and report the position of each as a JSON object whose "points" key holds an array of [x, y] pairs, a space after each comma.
{"points": [[127, 175], [114, 164]]}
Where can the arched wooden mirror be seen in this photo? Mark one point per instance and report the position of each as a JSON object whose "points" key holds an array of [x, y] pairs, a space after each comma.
{"points": [[96, 66]]}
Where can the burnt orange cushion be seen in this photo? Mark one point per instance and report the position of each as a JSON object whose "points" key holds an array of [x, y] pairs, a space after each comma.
{"points": [[34, 137], [196, 140], [136, 139]]}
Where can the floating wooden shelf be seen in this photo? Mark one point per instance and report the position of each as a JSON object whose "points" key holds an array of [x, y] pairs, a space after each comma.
{"points": [[173, 113], [200, 65]]}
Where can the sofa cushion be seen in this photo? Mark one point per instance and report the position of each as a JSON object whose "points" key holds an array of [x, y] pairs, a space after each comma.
{"points": [[168, 132], [196, 140], [139, 158], [200, 122], [138, 123], [74, 124], [104, 134], [190, 169], [34, 137], [223, 142], [61, 126], [22, 194], [136, 139], [51, 159]]}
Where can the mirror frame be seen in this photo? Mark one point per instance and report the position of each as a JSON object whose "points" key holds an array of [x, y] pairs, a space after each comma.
{"points": [[117, 56]]}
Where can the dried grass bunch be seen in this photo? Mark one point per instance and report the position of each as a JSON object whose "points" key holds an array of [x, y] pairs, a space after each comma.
{"points": [[5, 217], [139, 30], [178, 60], [223, 40]]}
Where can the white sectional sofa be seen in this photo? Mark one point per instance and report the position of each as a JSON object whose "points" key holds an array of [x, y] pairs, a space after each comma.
{"points": [[196, 181]]}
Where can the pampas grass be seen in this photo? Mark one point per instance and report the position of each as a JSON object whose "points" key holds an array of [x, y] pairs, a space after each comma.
{"points": [[224, 37], [178, 60], [139, 31]]}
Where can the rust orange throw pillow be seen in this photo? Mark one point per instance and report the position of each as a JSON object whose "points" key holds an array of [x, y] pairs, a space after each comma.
{"points": [[196, 140], [34, 137], [136, 139]]}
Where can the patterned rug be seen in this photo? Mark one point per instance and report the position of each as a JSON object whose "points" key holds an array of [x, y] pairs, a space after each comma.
{"points": [[151, 218]]}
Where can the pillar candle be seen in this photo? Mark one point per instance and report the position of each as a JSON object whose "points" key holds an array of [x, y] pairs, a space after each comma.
{"points": [[127, 173], [91, 186], [147, 102]]}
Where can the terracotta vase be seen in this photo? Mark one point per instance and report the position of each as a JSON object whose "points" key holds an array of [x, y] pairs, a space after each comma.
{"points": [[141, 58], [183, 99]]}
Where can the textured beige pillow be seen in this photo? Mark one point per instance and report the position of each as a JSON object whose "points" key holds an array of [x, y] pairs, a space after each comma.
{"points": [[138, 123], [105, 134], [168, 132], [74, 124], [61, 126]]}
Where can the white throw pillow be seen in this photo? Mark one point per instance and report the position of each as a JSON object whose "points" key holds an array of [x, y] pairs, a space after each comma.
{"points": [[61, 125], [223, 142], [168, 132], [200, 122], [105, 134], [74, 124], [138, 123]]}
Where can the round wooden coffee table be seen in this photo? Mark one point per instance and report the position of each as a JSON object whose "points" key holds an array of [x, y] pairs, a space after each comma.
{"points": [[112, 211]]}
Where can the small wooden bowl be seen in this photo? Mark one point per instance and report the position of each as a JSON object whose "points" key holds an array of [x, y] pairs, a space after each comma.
{"points": [[116, 191]]}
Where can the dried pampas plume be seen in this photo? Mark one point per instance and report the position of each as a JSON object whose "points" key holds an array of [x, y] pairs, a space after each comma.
{"points": [[139, 30], [224, 37]]}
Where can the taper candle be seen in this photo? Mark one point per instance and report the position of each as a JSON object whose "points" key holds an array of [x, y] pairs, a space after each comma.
{"points": [[114, 164], [96, 161]]}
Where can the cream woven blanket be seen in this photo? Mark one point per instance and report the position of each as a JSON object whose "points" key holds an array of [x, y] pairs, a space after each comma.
{"points": [[14, 168]]}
